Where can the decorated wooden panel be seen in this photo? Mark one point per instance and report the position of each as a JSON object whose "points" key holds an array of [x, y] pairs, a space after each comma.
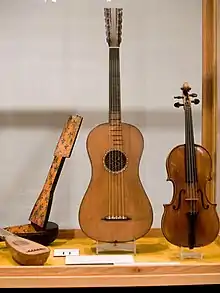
{"points": [[41, 210]]}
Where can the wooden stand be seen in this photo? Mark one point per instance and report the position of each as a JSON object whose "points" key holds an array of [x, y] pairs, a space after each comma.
{"points": [[190, 254], [119, 247]]}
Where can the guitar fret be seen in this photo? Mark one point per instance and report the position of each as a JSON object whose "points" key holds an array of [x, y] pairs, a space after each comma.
{"points": [[114, 87]]}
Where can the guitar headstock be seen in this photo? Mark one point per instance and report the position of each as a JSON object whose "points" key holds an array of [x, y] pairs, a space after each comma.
{"points": [[113, 26], [186, 97]]}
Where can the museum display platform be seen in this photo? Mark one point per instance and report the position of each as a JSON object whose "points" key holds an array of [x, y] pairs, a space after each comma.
{"points": [[157, 263]]}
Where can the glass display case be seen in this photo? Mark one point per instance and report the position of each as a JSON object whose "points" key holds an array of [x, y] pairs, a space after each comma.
{"points": [[70, 68]]}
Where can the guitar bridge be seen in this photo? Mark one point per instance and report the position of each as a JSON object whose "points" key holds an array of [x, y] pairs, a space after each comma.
{"points": [[116, 218]]}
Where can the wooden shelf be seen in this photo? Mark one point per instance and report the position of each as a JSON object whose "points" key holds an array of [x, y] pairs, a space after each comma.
{"points": [[147, 271], [104, 276]]}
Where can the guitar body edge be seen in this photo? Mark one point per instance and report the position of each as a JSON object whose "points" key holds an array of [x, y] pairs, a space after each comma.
{"points": [[119, 195]]}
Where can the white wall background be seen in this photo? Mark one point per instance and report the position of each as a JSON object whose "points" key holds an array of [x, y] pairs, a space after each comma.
{"points": [[54, 62]]}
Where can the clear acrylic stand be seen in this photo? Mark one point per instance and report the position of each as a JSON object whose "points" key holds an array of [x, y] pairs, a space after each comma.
{"points": [[110, 247], [186, 253]]}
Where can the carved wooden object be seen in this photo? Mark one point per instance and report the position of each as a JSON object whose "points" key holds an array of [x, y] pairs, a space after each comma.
{"points": [[41, 210], [40, 229], [24, 251]]}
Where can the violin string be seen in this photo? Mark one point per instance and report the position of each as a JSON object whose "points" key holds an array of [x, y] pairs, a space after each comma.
{"points": [[191, 154], [187, 153], [193, 160]]}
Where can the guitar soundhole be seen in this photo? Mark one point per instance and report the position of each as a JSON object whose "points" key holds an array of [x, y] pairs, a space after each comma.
{"points": [[115, 161]]}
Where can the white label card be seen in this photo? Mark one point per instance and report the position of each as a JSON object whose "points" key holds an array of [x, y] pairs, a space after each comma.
{"points": [[99, 259], [65, 252]]}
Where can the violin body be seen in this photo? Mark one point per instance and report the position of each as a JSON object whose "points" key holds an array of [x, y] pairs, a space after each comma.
{"points": [[175, 220], [119, 194]]}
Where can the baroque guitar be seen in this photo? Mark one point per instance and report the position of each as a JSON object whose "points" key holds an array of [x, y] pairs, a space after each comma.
{"points": [[115, 207]]}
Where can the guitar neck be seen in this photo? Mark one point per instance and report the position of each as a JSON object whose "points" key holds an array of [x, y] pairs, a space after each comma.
{"points": [[114, 86]]}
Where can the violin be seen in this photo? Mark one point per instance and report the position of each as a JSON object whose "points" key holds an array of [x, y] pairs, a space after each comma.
{"points": [[190, 219]]}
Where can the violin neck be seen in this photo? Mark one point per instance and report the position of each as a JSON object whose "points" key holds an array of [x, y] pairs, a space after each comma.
{"points": [[190, 154]]}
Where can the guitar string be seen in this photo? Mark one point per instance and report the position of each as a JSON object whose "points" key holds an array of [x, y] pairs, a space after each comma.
{"points": [[116, 131], [117, 176], [119, 138], [115, 127], [112, 143], [122, 214], [110, 137], [116, 183], [119, 142], [114, 186]]}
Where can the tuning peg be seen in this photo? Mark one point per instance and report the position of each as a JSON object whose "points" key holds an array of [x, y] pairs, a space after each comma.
{"points": [[193, 95], [177, 104], [178, 97], [195, 101]]}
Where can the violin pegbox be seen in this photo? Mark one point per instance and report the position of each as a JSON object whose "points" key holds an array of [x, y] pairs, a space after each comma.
{"points": [[186, 97], [113, 26]]}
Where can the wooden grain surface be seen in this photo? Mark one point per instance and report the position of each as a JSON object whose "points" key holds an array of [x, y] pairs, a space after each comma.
{"points": [[209, 84], [147, 271]]}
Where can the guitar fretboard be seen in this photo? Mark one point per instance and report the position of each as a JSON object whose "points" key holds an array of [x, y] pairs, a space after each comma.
{"points": [[114, 87]]}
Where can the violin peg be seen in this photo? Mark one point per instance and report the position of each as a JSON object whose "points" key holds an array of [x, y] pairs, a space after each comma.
{"points": [[177, 104], [193, 95], [195, 101]]}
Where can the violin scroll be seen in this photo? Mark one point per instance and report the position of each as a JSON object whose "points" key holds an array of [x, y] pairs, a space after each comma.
{"points": [[186, 97]]}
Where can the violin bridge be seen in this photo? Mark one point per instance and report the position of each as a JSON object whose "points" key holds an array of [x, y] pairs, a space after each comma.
{"points": [[192, 199]]}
